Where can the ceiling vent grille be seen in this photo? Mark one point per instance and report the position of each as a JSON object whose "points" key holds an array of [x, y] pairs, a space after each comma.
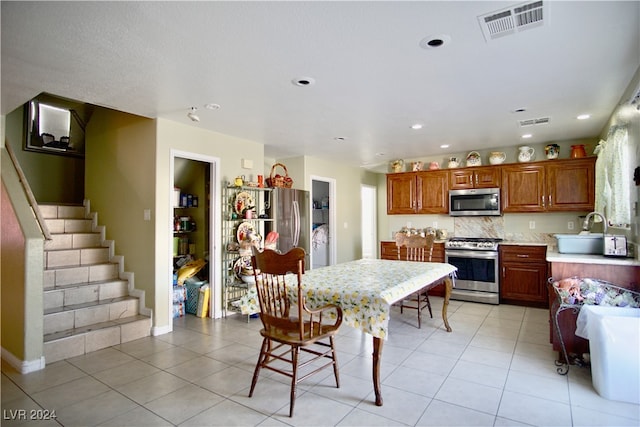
{"points": [[534, 122], [512, 20]]}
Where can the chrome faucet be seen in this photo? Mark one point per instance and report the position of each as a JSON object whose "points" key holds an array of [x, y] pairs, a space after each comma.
{"points": [[586, 224]]}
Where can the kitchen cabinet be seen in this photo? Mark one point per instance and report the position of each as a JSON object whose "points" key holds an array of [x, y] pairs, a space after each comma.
{"points": [[389, 250], [424, 192], [549, 186], [523, 279], [474, 177], [238, 236]]}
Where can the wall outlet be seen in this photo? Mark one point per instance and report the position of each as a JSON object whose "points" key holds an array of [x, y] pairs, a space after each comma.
{"points": [[147, 214], [408, 224], [571, 225], [532, 225]]}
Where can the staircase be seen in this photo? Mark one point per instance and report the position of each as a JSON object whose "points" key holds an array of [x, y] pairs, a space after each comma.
{"points": [[89, 301]]}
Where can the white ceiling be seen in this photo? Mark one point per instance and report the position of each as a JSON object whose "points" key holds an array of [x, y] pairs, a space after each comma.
{"points": [[372, 78]]}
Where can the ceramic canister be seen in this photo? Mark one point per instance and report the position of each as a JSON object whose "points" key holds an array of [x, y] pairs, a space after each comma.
{"points": [[497, 157]]}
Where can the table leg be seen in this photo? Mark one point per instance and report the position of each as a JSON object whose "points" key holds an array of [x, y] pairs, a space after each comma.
{"points": [[448, 286], [377, 354]]}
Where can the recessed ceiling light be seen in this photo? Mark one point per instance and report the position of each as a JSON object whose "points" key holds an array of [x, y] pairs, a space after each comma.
{"points": [[526, 136], [212, 106], [304, 81], [583, 116], [416, 126], [340, 138], [380, 154], [444, 146], [520, 110], [435, 41]]}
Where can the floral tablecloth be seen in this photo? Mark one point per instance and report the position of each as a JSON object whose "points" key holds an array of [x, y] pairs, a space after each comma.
{"points": [[365, 289]]}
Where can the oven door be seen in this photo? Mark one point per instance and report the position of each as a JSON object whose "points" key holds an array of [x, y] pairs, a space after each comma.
{"points": [[477, 270]]}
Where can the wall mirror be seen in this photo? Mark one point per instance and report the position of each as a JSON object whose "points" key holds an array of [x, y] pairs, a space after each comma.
{"points": [[56, 125]]}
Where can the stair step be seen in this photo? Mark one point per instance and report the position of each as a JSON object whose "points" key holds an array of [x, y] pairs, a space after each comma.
{"points": [[73, 241], [66, 295], [78, 341], [61, 225], [75, 257], [61, 211], [74, 316], [76, 275]]}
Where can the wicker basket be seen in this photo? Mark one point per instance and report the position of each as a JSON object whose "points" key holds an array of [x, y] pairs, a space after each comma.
{"points": [[275, 180]]}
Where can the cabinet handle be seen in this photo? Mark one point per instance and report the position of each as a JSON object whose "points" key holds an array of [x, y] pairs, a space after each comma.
{"points": [[476, 175], [542, 200], [550, 203], [522, 256]]}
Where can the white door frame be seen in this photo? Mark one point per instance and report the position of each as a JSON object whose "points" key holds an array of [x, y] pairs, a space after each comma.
{"points": [[215, 221], [370, 211], [333, 245]]}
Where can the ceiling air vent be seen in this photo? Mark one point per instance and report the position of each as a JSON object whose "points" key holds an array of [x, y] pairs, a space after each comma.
{"points": [[512, 20], [534, 122]]}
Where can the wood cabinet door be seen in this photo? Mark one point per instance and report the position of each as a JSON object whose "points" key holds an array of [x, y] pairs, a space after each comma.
{"points": [[401, 193], [432, 189], [571, 185], [388, 250], [475, 177], [461, 179], [523, 188], [488, 177], [524, 275]]}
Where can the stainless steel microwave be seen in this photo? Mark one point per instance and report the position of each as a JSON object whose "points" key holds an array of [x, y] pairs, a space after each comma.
{"points": [[474, 202]]}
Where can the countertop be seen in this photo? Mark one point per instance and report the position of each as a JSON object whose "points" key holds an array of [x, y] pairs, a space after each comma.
{"points": [[591, 259]]}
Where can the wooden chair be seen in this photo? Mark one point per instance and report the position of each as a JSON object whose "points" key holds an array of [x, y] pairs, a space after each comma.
{"points": [[417, 248], [285, 337]]}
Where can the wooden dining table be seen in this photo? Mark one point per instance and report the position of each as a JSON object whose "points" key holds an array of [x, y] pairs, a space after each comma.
{"points": [[366, 289]]}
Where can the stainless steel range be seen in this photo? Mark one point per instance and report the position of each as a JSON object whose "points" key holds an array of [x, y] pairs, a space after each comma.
{"points": [[477, 277]]}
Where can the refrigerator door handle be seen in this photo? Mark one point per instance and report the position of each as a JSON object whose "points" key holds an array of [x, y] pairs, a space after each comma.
{"points": [[295, 224]]}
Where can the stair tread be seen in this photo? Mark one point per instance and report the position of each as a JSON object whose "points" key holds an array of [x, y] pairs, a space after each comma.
{"points": [[80, 285], [94, 327], [62, 267], [72, 307]]}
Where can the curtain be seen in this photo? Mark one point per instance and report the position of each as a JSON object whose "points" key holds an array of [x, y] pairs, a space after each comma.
{"points": [[613, 175]]}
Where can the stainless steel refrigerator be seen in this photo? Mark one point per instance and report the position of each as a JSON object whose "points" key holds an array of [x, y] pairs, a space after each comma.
{"points": [[289, 211]]}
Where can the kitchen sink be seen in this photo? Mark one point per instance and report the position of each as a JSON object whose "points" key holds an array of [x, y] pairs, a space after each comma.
{"points": [[587, 243]]}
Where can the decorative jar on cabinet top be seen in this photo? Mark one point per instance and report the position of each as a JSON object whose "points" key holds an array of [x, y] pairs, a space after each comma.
{"points": [[526, 153], [578, 151], [497, 157]]}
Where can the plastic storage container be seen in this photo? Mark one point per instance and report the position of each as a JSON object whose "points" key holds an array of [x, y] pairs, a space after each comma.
{"points": [[614, 342]]}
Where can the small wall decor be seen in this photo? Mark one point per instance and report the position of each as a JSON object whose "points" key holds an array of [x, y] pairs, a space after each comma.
{"points": [[416, 166], [397, 165]]}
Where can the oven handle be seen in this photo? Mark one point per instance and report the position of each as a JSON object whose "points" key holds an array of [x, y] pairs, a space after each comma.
{"points": [[471, 254]]}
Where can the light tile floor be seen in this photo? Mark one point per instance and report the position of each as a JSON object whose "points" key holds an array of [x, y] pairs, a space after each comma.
{"points": [[495, 369]]}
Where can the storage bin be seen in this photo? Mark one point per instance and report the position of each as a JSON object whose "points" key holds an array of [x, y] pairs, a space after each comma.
{"points": [[614, 342], [193, 293]]}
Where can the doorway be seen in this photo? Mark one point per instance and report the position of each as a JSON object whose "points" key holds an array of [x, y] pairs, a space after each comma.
{"points": [[323, 220], [369, 223], [194, 219]]}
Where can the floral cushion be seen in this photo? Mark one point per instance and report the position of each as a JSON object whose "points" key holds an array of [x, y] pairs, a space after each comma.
{"points": [[578, 291]]}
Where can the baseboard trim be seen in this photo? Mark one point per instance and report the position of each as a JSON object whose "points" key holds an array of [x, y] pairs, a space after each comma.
{"points": [[22, 366], [161, 330]]}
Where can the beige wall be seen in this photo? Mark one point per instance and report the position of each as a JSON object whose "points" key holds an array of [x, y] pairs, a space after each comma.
{"points": [[120, 185]]}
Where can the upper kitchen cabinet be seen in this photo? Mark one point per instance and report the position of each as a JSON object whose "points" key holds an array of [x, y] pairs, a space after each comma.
{"points": [[474, 177], [571, 185], [549, 186], [418, 193]]}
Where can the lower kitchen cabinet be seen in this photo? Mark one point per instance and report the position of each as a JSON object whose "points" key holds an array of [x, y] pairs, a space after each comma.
{"points": [[389, 250], [524, 274]]}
